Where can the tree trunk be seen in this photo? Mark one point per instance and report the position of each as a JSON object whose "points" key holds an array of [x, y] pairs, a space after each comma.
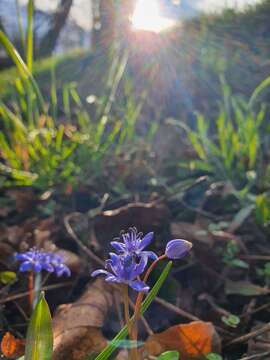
{"points": [[48, 42], [104, 24], [111, 21]]}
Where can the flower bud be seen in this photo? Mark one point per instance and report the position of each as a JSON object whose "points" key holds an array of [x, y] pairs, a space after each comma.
{"points": [[178, 248]]}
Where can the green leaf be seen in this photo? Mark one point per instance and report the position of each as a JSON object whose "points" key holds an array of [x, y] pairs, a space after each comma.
{"points": [[29, 44], [169, 355], [7, 277], [231, 320], [107, 352], [239, 263], [213, 356], [261, 87], [39, 339], [21, 66]]}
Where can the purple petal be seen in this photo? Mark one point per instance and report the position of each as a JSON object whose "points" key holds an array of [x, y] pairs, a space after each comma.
{"points": [[48, 267], [139, 286], [146, 240], [126, 268], [114, 263], [114, 259], [119, 247], [140, 267], [62, 270], [37, 267], [149, 254], [177, 248], [112, 278], [99, 272], [21, 257], [25, 266]]}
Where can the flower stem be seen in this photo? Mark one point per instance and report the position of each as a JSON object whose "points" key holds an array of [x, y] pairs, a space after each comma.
{"points": [[31, 288], [134, 329], [37, 288], [133, 350], [126, 303]]}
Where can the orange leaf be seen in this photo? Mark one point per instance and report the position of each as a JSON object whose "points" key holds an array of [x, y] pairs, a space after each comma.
{"points": [[193, 341], [11, 347]]}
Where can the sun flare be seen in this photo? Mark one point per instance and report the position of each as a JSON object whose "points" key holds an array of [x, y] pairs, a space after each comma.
{"points": [[147, 17]]}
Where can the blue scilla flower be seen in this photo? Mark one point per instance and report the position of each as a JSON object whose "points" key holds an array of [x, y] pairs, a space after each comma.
{"points": [[123, 269], [58, 263], [37, 260], [34, 260], [134, 244]]}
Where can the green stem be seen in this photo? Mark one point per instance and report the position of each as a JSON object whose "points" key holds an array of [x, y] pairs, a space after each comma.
{"points": [[31, 288], [37, 288]]}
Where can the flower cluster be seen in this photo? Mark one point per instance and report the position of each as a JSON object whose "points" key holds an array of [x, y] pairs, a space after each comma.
{"points": [[124, 270], [38, 260], [134, 244], [131, 259]]}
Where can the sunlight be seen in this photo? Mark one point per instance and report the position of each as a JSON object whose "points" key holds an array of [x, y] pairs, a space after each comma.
{"points": [[147, 17]]}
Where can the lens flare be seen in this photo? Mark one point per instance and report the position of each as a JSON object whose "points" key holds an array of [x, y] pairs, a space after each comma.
{"points": [[147, 17]]}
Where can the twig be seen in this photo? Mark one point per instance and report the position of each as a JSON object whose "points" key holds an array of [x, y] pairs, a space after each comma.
{"points": [[250, 335], [255, 257], [256, 356], [214, 306], [72, 234], [254, 311], [26, 318], [176, 309], [26, 293]]}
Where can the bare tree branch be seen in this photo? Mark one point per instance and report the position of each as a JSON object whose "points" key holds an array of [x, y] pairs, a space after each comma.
{"points": [[48, 42]]}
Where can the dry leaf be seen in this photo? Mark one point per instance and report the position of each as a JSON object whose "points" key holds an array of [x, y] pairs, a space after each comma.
{"points": [[78, 327], [193, 341], [25, 200], [11, 347], [145, 216]]}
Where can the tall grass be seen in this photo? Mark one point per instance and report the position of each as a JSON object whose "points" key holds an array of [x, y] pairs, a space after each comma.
{"points": [[234, 148], [231, 147], [54, 141]]}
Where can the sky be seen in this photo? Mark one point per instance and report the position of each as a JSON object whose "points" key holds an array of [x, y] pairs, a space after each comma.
{"points": [[82, 8]]}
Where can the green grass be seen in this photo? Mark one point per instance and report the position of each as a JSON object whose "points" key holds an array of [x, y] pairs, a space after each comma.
{"points": [[67, 67]]}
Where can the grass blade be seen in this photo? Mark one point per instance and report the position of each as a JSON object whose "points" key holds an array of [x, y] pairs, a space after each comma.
{"points": [[262, 86], [21, 66], [29, 38], [20, 25], [39, 339]]}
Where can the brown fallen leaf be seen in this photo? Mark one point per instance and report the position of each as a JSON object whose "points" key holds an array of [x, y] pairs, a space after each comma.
{"points": [[193, 341], [77, 327], [11, 347], [25, 199]]}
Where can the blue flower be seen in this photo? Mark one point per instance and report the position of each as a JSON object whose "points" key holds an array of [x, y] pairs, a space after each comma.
{"points": [[178, 248], [134, 244], [124, 270], [38, 260], [60, 268], [34, 260]]}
